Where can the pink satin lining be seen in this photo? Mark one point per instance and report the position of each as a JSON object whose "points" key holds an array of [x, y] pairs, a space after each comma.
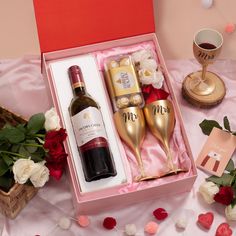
{"points": [[154, 157]]}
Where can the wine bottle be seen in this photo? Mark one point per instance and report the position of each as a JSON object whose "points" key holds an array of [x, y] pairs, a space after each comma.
{"points": [[89, 131]]}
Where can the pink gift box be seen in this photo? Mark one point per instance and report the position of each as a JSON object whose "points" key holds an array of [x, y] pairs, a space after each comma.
{"points": [[62, 36]]}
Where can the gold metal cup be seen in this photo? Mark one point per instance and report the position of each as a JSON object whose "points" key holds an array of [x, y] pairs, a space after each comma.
{"points": [[130, 124], [204, 87], [207, 45], [160, 117]]}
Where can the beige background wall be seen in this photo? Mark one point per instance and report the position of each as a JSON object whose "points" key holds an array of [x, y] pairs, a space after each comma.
{"points": [[176, 22]]}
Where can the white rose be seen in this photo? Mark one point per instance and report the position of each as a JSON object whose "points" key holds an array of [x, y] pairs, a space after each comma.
{"points": [[230, 212], [141, 55], [153, 77], [40, 174], [22, 170], [148, 64], [208, 191], [52, 121]]}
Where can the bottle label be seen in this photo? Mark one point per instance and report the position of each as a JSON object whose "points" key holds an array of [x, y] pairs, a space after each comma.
{"points": [[88, 125]]}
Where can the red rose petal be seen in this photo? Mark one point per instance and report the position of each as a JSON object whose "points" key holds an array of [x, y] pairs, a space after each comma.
{"points": [[224, 230], [109, 223], [152, 94], [225, 195], [206, 220], [160, 214]]}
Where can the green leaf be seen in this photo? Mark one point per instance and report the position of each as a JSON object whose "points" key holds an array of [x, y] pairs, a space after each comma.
{"points": [[225, 179], [230, 166], [24, 152], [5, 146], [8, 160], [31, 149], [15, 148], [21, 127], [208, 125], [36, 123], [5, 183], [234, 186], [38, 156], [3, 167], [233, 203], [226, 124], [13, 135]]}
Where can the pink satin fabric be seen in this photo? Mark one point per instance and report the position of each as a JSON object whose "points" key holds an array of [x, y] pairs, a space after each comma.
{"points": [[22, 90]]}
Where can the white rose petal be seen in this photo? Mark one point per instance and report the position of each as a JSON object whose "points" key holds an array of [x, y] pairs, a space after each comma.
{"points": [[40, 174], [148, 64], [230, 212], [22, 170], [158, 80], [208, 191], [141, 55], [153, 77], [52, 121]]}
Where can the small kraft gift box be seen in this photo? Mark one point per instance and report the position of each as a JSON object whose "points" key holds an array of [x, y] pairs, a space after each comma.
{"points": [[89, 33]]}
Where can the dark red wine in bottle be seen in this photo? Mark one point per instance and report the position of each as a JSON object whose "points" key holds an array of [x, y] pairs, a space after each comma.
{"points": [[207, 46], [89, 131]]}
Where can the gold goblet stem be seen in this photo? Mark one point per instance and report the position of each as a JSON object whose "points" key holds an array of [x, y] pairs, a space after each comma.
{"points": [[204, 69], [140, 162], [170, 163]]}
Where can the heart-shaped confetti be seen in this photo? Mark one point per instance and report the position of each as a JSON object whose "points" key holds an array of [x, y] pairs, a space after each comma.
{"points": [[206, 220], [224, 230]]}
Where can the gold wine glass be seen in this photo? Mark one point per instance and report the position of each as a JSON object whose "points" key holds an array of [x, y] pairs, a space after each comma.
{"points": [[160, 117], [130, 124], [204, 86]]}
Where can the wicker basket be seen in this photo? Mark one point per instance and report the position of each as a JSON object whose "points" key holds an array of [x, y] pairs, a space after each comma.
{"points": [[13, 201]]}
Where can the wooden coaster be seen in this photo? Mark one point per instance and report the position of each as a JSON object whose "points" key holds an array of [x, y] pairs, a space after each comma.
{"points": [[204, 101]]}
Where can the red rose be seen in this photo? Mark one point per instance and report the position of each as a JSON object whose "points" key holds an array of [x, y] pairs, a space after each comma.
{"points": [[54, 144], [225, 195], [55, 171], [152, 94], [56, 156], [56, 136], [56, 152]]}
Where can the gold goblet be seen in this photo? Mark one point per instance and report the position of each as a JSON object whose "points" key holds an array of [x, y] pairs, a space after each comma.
{"points": [[130, 124], [204, 88], [160, 117]]}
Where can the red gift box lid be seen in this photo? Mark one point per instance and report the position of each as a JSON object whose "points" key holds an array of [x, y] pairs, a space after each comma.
{"points": [[71, 23]]}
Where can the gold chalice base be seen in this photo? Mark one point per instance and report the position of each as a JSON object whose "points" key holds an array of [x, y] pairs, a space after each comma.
{"points": [[173, 172], [204, 100], [146, 178]]}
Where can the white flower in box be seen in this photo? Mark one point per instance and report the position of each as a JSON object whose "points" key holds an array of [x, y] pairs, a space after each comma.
{"points": [[141, 55], [148, 64], [22, 169], [208, 191], [153, 77], [40, 174], [230, 212], [52, 121]]}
